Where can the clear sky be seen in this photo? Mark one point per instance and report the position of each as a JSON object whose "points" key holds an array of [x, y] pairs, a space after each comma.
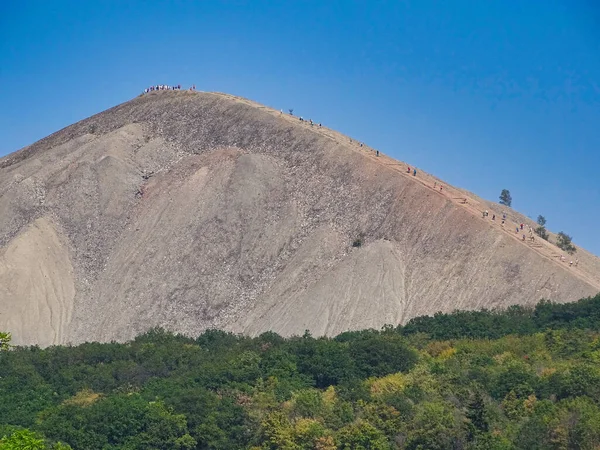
{"points": [[484, 94]]}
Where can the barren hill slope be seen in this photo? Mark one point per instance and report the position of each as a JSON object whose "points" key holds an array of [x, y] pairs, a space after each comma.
{"points": [[192, 210]]}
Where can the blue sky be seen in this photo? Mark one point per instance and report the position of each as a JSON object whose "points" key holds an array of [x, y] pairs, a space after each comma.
{"points": [[484, 94]]}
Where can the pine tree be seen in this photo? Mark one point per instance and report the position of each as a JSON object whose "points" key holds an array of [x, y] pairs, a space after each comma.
{"points": [[476, 413], [505, 198]]}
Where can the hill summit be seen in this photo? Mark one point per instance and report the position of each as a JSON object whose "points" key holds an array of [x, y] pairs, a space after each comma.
{"points": [[191, 210]]}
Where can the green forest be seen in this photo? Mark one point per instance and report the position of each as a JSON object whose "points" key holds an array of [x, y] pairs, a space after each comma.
{"points": [[521, 378]]}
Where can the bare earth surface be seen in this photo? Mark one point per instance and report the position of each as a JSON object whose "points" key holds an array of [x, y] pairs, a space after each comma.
{"points": [[191, 210]]}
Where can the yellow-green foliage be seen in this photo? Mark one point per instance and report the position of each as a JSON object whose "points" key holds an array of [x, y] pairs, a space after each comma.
{"points": [[517, 346], [27, 440], [447, 353], [83, 398], [443, 349], [421, 378], [282, 433], [5, 339], [329, 397], [391, 384]]}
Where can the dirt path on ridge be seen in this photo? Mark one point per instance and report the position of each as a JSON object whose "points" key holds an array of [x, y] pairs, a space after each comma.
{"points": [[456, 196]]}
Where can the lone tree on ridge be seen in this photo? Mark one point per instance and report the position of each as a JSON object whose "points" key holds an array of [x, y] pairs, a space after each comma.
{"points": [[541, 229], [505, 198]]}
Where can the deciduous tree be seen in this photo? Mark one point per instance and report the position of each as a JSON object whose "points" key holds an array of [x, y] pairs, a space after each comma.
{"points": [[563, 241]]}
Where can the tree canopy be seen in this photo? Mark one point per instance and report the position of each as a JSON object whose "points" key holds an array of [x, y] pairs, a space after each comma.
{"points": [[541, 228], [563, 241], [518, 378], [505, 198]]}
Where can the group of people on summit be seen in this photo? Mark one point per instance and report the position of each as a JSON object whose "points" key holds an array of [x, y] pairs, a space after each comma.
{"points": [[166, 87]]}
